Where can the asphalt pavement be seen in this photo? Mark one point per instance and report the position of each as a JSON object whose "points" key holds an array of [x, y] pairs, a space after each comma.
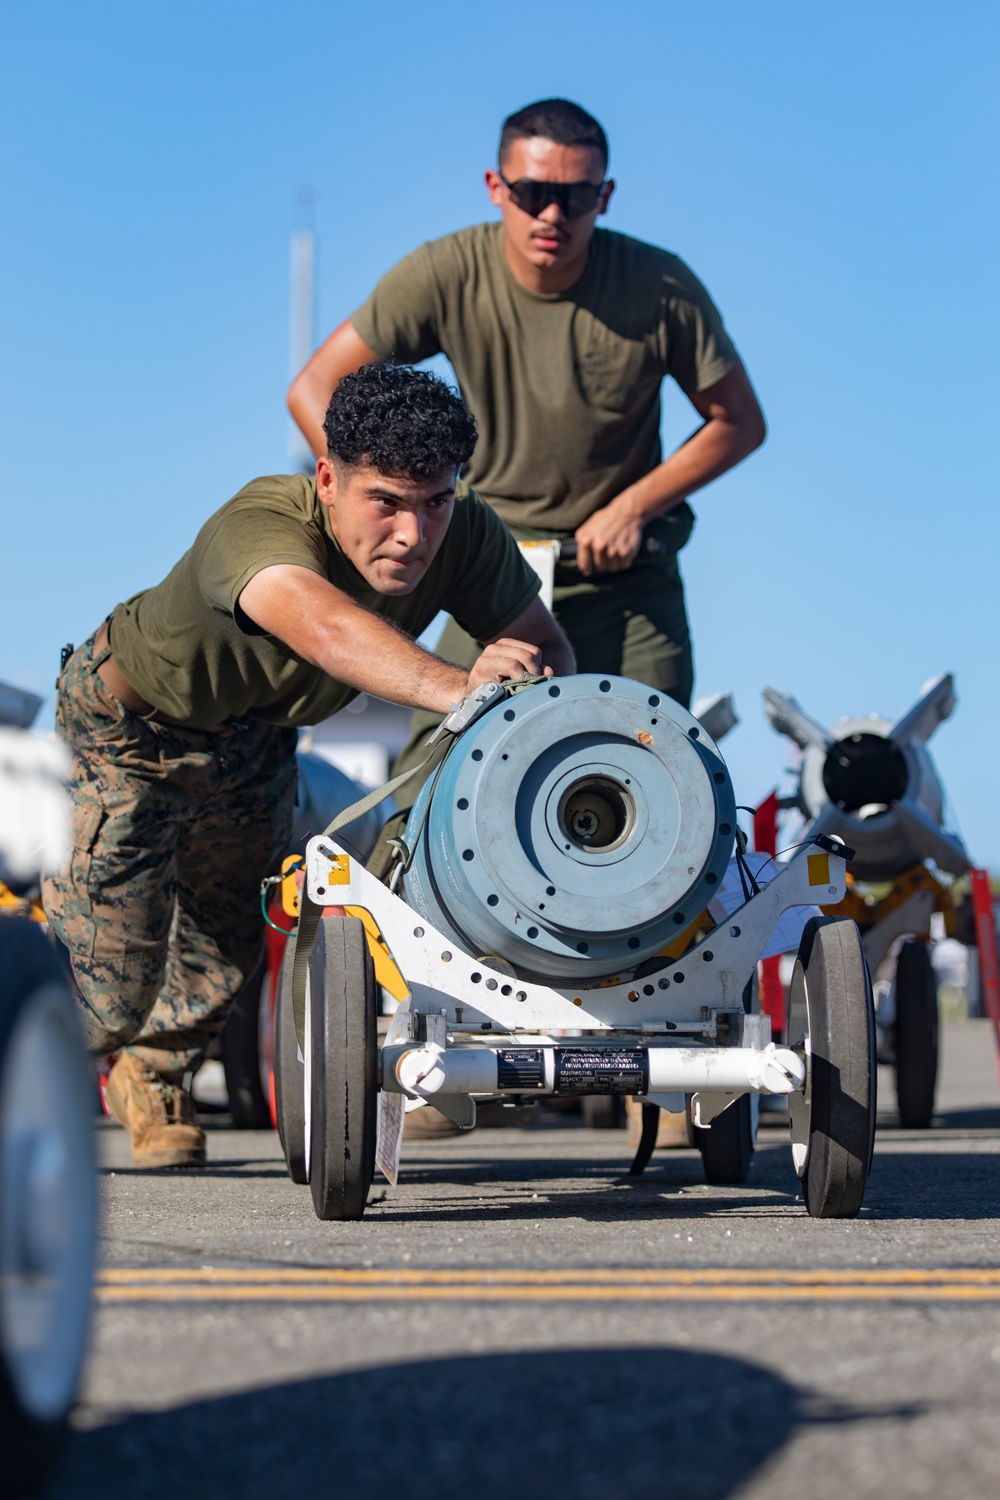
{"points": [[521, 1318]]}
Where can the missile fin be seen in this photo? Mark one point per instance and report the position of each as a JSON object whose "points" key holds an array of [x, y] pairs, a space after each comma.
{"points": [[716, 714], [931, 709], [788, 718], [945, 849]]}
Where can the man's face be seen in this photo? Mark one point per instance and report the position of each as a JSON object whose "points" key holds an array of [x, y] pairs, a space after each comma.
{"points": [[389, 528], [550, 240]]}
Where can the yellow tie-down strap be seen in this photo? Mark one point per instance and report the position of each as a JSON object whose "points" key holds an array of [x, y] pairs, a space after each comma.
{"points": [[386, 970]]}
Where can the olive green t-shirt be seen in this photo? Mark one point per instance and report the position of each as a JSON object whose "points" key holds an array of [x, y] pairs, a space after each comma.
{"points": [[565, 387], [188, 648]]}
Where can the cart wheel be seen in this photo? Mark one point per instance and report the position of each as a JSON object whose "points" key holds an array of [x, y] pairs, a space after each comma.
{"points": [[831, 1020], [246, 1052], [726, 1145], [341, 1069], [289, 1076], [603, 1111], [48, 1205], [916, 1035]]}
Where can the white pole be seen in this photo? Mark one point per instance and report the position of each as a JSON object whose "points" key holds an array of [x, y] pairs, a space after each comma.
{"points": [[302, 326]]}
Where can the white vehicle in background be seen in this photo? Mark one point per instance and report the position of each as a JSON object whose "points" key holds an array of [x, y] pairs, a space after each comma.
{"points": [[48, 1184]]}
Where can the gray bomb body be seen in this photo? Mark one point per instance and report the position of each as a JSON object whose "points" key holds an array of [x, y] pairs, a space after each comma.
{"points": [[574, 830]]}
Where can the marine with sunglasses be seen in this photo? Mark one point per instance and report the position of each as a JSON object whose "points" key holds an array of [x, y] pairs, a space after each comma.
{"points": [[561, 335]]}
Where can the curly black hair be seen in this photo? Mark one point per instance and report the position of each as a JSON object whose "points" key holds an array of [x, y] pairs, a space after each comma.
{"points": [[400, 421]]}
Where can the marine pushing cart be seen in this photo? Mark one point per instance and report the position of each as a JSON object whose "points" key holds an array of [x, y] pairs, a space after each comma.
{"points": [[552, 927]]}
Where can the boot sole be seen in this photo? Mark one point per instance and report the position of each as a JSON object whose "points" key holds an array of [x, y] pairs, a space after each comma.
{"points": [[168, 1158]]}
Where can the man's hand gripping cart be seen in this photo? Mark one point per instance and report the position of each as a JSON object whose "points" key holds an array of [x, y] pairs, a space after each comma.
{"points": [[547, 932]]}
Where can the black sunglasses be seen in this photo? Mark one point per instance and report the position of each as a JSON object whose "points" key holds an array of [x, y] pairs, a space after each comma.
{"points": [[574, 198]]}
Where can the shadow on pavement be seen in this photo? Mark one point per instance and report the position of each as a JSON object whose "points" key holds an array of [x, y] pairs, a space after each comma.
{"points": [[928, 1185], [983, 1118], [579, 1422]]}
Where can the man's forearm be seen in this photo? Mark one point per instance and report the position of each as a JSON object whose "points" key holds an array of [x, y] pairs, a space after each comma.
{"points": [[537, 625], [558, 654], [342, 354], [331, 631], [609, 540], [709, 452], [368, 653]]}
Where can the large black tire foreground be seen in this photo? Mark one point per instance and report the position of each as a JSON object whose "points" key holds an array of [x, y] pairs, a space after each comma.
{"points": [[726, 1145], [916, 1035], [289, 1076], [48, 1206], [341, 1069], [831, 1019], [242, 1060]]}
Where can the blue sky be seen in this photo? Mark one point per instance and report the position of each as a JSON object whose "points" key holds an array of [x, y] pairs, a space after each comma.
{"points": [[828, 170]]}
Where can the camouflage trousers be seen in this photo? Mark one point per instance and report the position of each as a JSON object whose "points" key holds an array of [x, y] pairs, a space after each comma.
{"points": [[172, 831]]}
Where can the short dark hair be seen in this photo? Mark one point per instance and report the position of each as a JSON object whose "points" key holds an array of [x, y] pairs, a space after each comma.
{"points": [[400, 421], [557, 120]]}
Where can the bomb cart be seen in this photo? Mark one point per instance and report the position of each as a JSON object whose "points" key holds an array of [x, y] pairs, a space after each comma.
{"points": [[872, 782], [545, 931]]}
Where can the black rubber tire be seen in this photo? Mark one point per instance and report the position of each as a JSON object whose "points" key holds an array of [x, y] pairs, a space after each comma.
{"points": [[289, 1076], [916, 1035], [603, 1111], [30, 974], [241, 1061], [833, 1122], [342, 1069], [726, 1145]]}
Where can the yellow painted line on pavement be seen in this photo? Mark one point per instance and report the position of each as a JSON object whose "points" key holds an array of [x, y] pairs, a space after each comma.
{"points": [[346, 1284], [117, 1275]]}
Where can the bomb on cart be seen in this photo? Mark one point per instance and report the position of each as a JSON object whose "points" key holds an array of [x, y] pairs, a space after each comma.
{"points": [[553, 928]]}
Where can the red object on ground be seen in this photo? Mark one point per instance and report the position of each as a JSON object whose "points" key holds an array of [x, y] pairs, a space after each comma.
{"points": [[274, 947], [986, 941], [772, 991]]}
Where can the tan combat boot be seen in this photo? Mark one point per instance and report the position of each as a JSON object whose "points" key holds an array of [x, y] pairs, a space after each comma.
{"points": [[158, 1116]]}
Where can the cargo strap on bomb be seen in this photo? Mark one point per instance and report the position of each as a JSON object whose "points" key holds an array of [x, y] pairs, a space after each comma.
{"points": [[462, 715]]}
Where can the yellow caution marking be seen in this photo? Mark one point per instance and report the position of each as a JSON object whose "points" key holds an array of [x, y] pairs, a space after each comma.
{"points": [[819, 869], [386, 970], [29, 907], [340, 870], [291, 864]]}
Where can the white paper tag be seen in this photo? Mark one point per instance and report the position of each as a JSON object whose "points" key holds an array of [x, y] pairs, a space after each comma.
{"points": [[392, 1107], [389, 1139]]}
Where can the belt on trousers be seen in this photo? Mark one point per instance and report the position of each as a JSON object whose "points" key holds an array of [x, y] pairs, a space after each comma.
{"points": [[119, 687], [115, 680]]}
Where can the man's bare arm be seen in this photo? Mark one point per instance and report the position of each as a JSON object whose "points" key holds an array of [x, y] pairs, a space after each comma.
{"points": [[328, 629], [309, 394], [734, 426], [537, 626]]}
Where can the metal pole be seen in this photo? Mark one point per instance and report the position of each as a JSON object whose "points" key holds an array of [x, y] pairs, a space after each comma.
{"points": [[302, 326]]}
